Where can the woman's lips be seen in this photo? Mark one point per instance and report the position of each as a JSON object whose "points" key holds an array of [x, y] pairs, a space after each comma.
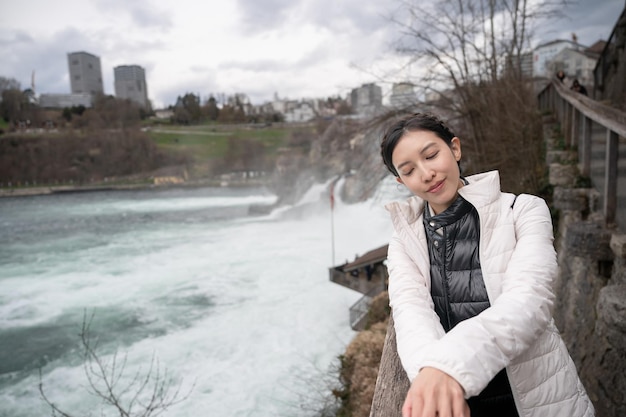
{"points": [[436, 187]]}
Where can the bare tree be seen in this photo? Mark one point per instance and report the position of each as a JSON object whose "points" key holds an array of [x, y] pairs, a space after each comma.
{"points": [[9, 84], [109, 112], [147, 394], [470, 55]]}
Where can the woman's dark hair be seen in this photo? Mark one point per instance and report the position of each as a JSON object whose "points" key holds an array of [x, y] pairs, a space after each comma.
{"points": [[411, 123]]}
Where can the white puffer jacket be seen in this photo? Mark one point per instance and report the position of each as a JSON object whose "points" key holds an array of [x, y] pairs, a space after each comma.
{"points": [[517, 332]]}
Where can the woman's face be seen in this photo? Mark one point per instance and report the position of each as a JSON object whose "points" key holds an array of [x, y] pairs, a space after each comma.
{"points": [[429, 167]]}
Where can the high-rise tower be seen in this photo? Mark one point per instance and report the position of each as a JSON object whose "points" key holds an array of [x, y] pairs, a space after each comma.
{"points": [[130, 83], [85, 73]]}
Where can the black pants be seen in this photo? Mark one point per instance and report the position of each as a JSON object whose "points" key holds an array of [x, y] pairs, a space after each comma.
{"points": [[496, 400]]}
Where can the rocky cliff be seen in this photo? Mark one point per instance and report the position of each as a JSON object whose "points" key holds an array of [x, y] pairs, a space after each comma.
{"points": [[345, 148]]}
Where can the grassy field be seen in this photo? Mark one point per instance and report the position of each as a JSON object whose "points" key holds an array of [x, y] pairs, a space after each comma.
{"points": [[211, 141]]}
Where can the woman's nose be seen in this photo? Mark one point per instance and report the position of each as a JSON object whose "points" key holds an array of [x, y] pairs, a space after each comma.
{"points": [[427, 174]]}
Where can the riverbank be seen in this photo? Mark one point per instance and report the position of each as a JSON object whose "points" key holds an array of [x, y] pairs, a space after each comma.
{"points": [[62, 189]]}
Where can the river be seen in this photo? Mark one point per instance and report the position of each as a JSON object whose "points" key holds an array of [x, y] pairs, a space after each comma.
{"points": [[236, 309]]}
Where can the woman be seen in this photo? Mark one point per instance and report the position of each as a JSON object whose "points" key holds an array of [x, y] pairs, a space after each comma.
{"points": [[470, 275]]}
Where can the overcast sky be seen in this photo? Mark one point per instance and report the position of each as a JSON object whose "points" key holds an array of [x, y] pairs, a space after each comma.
{"points": [[295, 48]]}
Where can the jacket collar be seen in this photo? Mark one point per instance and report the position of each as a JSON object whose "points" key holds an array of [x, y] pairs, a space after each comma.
{"points": [[459, 208], [481, 190]]}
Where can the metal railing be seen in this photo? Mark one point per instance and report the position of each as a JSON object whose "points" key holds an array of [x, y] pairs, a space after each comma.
{"points": [[360, 309]]}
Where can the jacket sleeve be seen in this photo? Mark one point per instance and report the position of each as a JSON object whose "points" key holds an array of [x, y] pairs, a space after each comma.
{"points": [[415, 321], [478, 348]]}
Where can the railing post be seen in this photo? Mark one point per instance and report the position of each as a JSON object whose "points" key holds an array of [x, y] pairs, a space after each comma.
{"points": [[585, 170], [392, 383], [566, 124], [610, 177], [549, 99], [574, 129]]}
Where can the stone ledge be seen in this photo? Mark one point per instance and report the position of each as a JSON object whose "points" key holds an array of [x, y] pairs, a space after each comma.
{"points": [[611, 309], [563, 175], [571, 199], [618, 245], [561, 157], [588, 239], [576, 199]]}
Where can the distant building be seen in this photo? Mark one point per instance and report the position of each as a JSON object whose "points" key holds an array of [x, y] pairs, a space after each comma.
{"points": [[576, 64], [543, 54], [163, 114], [527, 64], [85, 73], [402, 95], [368, 275], [279, 105], [299, 111], [130, 83], [523, 64], [292, 111], [367, 100], [60, 101]]}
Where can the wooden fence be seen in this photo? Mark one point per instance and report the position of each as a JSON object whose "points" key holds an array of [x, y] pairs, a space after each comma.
{"points": [[603, 161]]}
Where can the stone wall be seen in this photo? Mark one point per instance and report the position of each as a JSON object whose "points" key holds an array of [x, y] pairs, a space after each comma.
{"points": [[590, 307]]}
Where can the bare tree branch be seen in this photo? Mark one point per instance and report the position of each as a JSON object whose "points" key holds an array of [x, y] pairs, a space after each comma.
{"points": [[149, 392], [470, 53]]}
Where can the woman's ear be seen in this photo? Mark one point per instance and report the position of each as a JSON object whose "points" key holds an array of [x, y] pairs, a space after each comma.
{"points": [[399, 180], [455, 145]]}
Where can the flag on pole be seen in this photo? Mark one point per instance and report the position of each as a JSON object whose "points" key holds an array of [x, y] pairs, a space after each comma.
{"points": [[332, 220]]}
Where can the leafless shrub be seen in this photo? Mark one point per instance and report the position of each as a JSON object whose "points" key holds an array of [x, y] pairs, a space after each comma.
{"points": [[147, 394]]}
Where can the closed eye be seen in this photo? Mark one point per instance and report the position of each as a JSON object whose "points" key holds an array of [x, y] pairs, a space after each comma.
{"points": [[433, 155], [406, 174]]}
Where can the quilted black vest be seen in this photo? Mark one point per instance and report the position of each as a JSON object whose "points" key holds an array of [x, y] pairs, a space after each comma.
{"points": [[458, 289], [457, 285]]}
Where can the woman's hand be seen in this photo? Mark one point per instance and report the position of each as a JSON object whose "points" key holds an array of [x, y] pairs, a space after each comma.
{"points": [[434, 393]]}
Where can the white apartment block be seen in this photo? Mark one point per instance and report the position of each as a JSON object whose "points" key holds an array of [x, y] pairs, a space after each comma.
{"points": [[302, 111], [543, 54], [576, 65], [130, 83], [60, 101], [85, 73]]}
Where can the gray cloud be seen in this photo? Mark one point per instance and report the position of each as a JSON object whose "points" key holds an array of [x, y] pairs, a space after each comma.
{"points": [[150, 17], [264, 65], [144, 14], [47, 57], [262, 15], [353, 16], [12, 38], [589, 20]]}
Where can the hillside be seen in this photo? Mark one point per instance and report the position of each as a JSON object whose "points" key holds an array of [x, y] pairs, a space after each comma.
{"points": [[75, 158]]}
